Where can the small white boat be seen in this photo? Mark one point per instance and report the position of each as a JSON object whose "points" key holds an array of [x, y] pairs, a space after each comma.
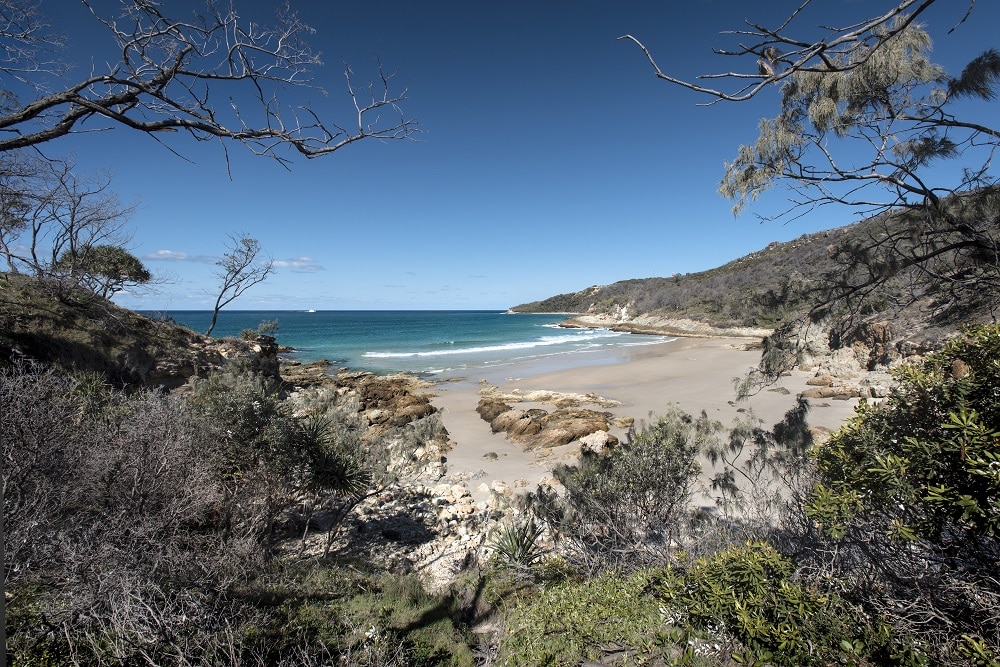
{"points": [[311, 310]]}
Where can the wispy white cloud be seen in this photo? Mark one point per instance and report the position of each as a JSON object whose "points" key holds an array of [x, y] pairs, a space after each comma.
{"points": [[175, 256], [298, 264]]}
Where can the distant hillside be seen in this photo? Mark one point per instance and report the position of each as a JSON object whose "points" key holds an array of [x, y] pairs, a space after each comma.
{"points": [[760, 289], [782, 282]]}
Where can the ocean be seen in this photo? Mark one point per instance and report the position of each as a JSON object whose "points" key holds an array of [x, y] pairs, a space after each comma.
{"points": [[441, 343]]}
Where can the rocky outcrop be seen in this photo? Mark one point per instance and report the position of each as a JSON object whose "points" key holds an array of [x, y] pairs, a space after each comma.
{"points": [[489, 408], [297, 375], [389, 400], [661, 326], [536, 428]]}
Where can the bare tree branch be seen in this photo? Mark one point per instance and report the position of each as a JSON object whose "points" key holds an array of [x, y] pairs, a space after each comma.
{"points": [[213, 76], [801, 55]]}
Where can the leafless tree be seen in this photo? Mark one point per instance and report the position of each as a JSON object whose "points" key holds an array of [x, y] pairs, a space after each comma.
{"points": [[174, 69], [870, 85], [240, 268], [49, 212]]}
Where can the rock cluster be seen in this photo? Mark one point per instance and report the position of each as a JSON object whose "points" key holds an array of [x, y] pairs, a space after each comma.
{"points": [[388, 399], [426, 520], [536, 428], [435, 529]]}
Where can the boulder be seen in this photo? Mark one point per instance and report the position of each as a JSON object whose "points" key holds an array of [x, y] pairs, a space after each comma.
{"points": [[598, 443], [838, 393], [577, 421], [503, 421], [524, 427], [490, 408]]}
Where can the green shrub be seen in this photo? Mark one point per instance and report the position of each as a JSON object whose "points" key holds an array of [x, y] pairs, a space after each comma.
{"points": [[926, 460], [589, 620], [909, 496], [629, 508], [515, 543], [372, 619], [746, 601]]}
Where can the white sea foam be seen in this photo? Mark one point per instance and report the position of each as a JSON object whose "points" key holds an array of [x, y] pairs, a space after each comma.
{"points": [[581, 339]]}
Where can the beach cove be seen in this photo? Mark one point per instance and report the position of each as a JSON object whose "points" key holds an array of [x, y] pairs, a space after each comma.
{"points": [[693, 374]]}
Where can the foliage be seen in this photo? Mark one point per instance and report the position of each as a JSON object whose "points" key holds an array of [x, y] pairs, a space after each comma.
{"points": [[759, 289], [111, 511], [742, 604], [269, 459], [138, 525], [77, 331], [910, 489], [104, 269], [630, 506], [766, 288], [758, 472], [589, 620], [745, 602], [930, 448], [362, 618], [926, 158], [515, 543]]}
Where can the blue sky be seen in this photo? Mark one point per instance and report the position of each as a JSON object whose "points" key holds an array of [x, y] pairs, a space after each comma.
{"points": [[550, 160]]}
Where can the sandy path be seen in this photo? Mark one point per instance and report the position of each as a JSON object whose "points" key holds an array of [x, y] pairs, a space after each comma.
{"points": [[694, 373]]}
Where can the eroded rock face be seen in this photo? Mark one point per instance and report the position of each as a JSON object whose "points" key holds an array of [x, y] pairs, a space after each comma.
{"points": [[568, 424], [873, 343], [507, 419], [314, 374]]}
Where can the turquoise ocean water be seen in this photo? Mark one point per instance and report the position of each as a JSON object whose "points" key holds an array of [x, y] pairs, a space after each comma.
{"points": [[438, 343]]}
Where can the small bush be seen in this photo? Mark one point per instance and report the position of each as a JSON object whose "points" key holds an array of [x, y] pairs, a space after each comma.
{"points": [[629, 508], [515, 543], [568, 623], [745, 601], [909, 496]]}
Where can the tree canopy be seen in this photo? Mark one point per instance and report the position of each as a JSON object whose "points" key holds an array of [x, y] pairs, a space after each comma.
{"points": [[104, 269]]}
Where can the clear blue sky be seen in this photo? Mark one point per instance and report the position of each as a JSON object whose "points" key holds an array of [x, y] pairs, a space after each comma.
{"points": [[551, 158]]}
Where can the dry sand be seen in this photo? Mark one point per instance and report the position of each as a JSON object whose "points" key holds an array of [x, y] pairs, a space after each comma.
{"points": [[694, 374]]}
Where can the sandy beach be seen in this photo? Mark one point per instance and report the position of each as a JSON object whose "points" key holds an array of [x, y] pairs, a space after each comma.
{"points": [[694, 374]]}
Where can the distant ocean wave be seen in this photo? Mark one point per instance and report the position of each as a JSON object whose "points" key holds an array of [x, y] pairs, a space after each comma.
{"points": [[546, 341]]}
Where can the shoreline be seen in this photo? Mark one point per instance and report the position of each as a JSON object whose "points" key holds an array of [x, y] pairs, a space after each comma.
{"points": [[691, 373]]}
